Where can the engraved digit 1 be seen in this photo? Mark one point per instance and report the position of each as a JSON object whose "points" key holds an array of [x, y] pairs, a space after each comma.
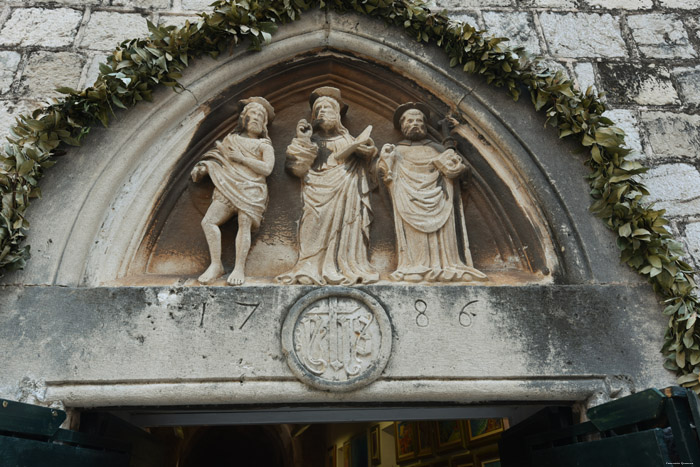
{"points": [[465, 317], [422, 319]]}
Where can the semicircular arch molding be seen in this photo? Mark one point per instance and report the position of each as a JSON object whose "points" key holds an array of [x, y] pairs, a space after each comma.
{"points": [[131, 219]]}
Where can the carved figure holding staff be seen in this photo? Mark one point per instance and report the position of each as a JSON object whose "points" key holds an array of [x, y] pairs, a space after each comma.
{"points": [[421, 174], [238, 166], [334, 226]]}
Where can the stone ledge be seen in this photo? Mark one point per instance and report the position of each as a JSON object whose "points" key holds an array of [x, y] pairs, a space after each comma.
{"points": [[106, 340]]}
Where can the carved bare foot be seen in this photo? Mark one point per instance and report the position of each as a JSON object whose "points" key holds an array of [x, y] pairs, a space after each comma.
{"points": [[236, 278], [213, 272]]}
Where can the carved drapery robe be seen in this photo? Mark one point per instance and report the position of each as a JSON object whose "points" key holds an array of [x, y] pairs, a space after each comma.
{"points": [[334, 226], [423, 196], [236, 184]]}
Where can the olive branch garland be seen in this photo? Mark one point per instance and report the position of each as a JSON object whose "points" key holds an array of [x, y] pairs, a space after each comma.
{"points": [[138, 66]]}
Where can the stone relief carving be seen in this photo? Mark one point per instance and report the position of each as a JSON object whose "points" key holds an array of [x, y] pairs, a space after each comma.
{"points": [[337, 339], [238, 167], [421, 176], [334, 227]]}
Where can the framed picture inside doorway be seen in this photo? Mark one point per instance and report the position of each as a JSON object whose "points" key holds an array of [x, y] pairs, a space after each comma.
{"points": [[331, 457], [346, 454], [448, 434], [479, 428], [491, 462], [405, 440], [375, 447], [424, 439]]}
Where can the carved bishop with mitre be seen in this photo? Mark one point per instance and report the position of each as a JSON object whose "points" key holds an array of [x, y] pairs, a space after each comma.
{"points": [[238, 167], [421, 176]]}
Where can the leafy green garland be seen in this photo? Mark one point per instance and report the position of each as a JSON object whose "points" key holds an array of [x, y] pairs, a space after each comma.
{"points": [[137, 66]]}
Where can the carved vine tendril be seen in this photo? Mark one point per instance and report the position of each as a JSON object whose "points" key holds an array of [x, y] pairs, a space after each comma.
{"points": [[137, 66]]}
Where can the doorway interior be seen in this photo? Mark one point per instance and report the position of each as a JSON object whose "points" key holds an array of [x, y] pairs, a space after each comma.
{"points": [[289, 436]]}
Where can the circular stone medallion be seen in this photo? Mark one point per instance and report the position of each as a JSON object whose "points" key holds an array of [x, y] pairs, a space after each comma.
{"points": [[337, 339]]}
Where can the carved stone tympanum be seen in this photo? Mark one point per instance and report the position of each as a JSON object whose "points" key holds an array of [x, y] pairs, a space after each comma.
{"points": [[334, 227], [238, 167], [420, 174], [337, 339]]}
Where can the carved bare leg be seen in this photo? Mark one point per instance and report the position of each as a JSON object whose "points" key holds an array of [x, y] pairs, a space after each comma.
{"points": [[217, 214], [237, 277]]}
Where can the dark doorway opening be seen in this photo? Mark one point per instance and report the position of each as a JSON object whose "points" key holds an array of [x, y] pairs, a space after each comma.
{"points": [[380, 436]]}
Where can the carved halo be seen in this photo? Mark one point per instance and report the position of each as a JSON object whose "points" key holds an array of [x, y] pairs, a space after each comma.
{"points": [[408, 106], [329, 91], [258, 100]]}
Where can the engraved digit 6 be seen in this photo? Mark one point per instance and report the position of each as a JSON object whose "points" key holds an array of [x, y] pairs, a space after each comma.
{"points": [[422, 319], [465, 317]]}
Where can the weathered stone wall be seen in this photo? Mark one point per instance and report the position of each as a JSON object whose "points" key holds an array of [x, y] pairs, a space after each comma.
{"points": [[644, 53]]}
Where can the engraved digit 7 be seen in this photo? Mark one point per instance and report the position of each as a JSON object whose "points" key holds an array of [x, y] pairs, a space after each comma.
{"points": [[255, 307], [465, 317], [422, 319]]}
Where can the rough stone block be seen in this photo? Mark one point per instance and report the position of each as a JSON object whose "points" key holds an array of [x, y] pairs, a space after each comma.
{"points": [[692, 241], [471, 19], [9, 61], [553, 65], [93, 70], [177, 20], [693, 23], [689, 81], [674, 187], [461, 4], [551, 3], [673, 134], [583, 35], [585, 76], [197, 5], [41, 27], [9, 110], [147, 4], [660, 36], [683, 4], [518, 27], [72, 2], [627, 121], [46, 71], [627, 83], [107, 29], [621, 4]]}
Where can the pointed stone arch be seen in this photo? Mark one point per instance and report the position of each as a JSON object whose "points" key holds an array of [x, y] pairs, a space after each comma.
{"points": [[123, 227], [531, 342]]}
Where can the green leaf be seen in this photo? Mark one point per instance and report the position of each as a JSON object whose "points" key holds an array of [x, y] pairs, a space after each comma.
{"points": [[25, 167], [625, 230], [687, 378], [680, 359], [118, 102]]}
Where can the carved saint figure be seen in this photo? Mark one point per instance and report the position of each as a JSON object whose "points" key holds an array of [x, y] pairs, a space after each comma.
{"points": [[334, 226], [421, 176], [238, 167]]}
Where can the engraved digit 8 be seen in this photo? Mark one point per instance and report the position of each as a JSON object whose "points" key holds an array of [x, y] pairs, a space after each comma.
{"points": [[465, 317], [422, 319]]}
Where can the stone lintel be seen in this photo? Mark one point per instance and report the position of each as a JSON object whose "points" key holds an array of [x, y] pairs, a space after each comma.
{"points": [[188, 345]]}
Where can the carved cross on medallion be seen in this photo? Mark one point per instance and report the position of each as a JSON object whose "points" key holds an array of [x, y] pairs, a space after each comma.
{"points": [[337, 339]]}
